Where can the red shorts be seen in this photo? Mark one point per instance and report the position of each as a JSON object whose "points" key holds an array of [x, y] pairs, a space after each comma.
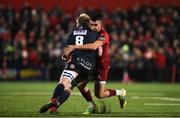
{"points": [[102, 72]]}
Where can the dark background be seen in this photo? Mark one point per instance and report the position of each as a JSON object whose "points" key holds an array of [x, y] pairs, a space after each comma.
{"points": [[144, 36]]}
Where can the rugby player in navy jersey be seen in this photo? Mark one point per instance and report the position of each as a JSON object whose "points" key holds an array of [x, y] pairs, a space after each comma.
{"points": [[102, 67], [80, 62]]}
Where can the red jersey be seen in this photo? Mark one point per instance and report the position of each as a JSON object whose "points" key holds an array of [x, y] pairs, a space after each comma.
{"points": [[104, 58]]}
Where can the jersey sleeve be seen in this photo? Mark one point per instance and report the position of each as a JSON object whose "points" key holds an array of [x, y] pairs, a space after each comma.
{"points": [[103, 37]]}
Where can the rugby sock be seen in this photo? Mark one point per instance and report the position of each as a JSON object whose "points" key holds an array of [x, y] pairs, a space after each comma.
{"points": [[86, 95], [53, 99], [58, 91], [119, 92], [112, 92], [64, 96]]}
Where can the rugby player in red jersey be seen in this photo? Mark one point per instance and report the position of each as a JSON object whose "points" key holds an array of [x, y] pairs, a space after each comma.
{"points": [[102, 69]]}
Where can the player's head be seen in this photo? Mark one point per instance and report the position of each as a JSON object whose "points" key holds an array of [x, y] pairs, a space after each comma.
{"points": [[83, 20], [96, 21]]}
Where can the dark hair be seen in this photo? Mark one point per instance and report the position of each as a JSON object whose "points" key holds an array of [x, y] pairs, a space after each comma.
{"points": [[94, 16]]}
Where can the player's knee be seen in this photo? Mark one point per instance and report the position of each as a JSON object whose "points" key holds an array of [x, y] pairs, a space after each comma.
{"points": [[68, 90], [99, 95], [80, 87], [83, 90], [66, 82]]}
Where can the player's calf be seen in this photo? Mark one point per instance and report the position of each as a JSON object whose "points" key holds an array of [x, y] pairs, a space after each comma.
{"points": [[64, 96]]}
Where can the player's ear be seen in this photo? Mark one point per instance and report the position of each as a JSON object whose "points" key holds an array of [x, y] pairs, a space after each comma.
{"points": [[77, 24]]}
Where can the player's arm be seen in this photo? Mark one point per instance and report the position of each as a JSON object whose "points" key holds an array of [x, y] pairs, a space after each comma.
{"points": [[90, 46], [100, 51], [67, 57]]}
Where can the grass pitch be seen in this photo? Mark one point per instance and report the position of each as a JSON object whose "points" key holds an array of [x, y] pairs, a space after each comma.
{"points": [[21, 99]]}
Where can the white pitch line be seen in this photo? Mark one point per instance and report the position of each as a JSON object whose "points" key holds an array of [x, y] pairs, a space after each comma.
{"points": [[156, 98], [145, 94], [161, 104]]}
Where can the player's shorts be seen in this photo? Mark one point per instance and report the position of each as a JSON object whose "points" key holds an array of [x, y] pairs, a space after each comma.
{"points": [[83, 66], [101, 73]]}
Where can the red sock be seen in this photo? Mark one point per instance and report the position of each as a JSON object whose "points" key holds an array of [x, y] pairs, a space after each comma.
{"points": [[86, 95], [112, 92], [53, 99], [53, 108]]}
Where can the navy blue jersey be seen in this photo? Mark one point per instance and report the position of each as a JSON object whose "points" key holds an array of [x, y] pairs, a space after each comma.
{"points": [[81, 36], [83, 61]]}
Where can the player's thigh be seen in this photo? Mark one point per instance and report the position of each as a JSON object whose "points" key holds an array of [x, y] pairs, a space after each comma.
{"points": [[67, 77]]}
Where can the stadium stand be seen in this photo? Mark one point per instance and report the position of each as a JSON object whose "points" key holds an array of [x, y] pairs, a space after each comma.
{"points": [[145, 40]]}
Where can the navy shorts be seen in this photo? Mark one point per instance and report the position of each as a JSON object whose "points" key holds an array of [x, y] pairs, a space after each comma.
{"points": [[83, 66]]}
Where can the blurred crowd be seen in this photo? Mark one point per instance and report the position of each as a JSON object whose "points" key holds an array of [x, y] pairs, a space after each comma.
{"points": [[143, 38]]}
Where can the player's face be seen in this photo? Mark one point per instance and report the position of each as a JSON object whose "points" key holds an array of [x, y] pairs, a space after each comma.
{"points": [[96, 25]]}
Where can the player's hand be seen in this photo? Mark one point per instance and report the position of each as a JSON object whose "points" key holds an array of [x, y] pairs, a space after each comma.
{"points": [[68, 49], [100, 51], [66, 58]]}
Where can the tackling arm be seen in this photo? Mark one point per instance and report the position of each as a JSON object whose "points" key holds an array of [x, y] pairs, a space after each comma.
{"points": [[91, 46]]}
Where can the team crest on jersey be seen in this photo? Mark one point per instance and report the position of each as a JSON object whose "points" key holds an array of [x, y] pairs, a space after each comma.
{"points": [[72, 66], [80, 32], [102, 37]]}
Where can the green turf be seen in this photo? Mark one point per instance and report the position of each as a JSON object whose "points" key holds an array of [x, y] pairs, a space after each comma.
{"points": [[25, 99]]}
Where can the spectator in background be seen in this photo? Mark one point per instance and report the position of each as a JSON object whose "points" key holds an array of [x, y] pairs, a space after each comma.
{"points": [[150, 32]]}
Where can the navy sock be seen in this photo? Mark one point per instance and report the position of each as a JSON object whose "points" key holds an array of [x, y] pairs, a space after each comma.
{"points": [[64, 96], [58, 90]]}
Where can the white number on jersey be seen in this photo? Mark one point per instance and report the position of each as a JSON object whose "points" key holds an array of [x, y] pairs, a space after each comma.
{"points": [[79, 40]]}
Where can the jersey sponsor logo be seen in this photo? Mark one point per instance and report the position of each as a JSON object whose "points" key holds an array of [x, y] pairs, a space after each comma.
{"points": [[86, 64], [102, 38], [80, 32]]}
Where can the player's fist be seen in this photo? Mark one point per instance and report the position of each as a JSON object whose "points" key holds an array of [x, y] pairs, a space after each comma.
{"points": [[67, 50], [66, 57]]}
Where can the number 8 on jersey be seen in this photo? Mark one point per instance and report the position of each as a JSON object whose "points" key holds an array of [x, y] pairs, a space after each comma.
{"points": [[79, 40]]}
